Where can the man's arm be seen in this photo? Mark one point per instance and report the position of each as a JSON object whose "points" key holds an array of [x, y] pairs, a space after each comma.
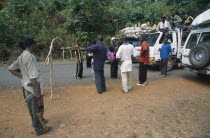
{"points": [[36, 87], [118, 55], [169, 27], [16, 73], [14, 69]]}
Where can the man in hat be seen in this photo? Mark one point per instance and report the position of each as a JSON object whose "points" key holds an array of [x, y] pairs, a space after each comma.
{"points": [[143, 61], [114, 63]]}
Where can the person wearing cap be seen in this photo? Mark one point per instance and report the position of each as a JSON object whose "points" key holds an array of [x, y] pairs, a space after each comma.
{"points": [[125, 54], [99, 57], [164, 25], [165, 55], [143, 61], [114, 63]]}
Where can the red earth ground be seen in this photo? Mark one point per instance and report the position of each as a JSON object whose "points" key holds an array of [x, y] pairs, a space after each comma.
{"points": [[168, 108]]}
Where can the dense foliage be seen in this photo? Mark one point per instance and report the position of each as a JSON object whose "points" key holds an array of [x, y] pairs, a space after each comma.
{"points": [[72, 19]]}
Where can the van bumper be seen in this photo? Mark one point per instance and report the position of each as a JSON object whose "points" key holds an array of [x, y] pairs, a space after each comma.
{"points": [[195, 70]]}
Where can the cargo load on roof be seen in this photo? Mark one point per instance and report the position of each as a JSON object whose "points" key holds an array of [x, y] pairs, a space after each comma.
{"points": [[135, 32]]}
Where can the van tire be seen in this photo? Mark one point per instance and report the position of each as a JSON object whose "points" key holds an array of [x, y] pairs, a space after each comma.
{"points": [[170, 65], [199, 56]]}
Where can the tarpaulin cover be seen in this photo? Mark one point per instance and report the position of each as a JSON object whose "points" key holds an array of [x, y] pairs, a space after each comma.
{"points": [[203, 18]]}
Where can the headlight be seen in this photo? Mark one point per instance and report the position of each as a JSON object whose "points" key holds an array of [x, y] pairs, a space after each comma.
{"points": [[152, 59]]}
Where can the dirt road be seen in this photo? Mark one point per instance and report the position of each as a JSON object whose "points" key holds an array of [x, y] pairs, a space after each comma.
{"points": [[175, 106]]}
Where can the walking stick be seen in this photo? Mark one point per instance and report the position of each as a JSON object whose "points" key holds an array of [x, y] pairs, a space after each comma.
{"points": [[49, 60]]}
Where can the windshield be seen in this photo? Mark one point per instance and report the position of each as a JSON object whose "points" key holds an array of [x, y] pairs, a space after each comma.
{"points": [[152, 38], [192, 40], [134, 42]]}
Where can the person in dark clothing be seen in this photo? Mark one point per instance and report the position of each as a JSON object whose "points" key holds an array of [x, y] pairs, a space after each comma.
{"points": [[143, 60], [89, 56], [188, 21], [114, 63], [171, 22], [26, 68], [99, 57], [165, 55], [93, 42], [79, 60]]}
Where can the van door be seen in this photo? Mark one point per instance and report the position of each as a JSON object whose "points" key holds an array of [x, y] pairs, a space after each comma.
{"points": [[172, 38], [192, 40]]}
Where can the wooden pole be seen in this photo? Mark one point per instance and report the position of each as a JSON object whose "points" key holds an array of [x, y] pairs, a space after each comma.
{"points": [[63, 53], [71, 54], [48, 61], [51, 73]]}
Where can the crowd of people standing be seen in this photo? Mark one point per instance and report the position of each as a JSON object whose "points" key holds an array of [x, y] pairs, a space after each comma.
{"points": [[25, 67]]}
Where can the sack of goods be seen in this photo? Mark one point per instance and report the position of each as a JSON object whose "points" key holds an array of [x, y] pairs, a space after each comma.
{"points": [[135, 32]]}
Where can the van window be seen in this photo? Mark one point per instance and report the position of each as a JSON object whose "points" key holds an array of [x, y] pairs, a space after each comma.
{"points": [[184, 37], [169, 36], [192, 40], [152, 38], [205, 38]]}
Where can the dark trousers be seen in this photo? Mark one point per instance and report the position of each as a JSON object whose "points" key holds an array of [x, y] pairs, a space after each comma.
{"points": [[88, 61], [100, 81], [114, 69], [164, 64], [79, 70], [142, 72], [35, 112]]}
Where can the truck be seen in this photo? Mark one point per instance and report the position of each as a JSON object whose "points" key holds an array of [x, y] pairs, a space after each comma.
{"points": [[196, 51], [155, 41]]}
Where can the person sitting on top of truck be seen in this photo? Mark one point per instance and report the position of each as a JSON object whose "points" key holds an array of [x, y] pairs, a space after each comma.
{"points": [[154, 25], [177, 20], [171, 22], [163, 25], [189, 20]]}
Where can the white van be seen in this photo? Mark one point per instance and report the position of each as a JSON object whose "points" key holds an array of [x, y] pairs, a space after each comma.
{"points": [[196, 51]]}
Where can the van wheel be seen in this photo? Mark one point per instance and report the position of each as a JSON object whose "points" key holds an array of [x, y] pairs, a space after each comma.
{"points": [[199, 55], [170, 65]]}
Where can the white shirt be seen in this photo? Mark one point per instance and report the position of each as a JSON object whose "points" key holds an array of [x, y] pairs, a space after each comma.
{"points": [[125, 53], [27, 63], [164, 25]]}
